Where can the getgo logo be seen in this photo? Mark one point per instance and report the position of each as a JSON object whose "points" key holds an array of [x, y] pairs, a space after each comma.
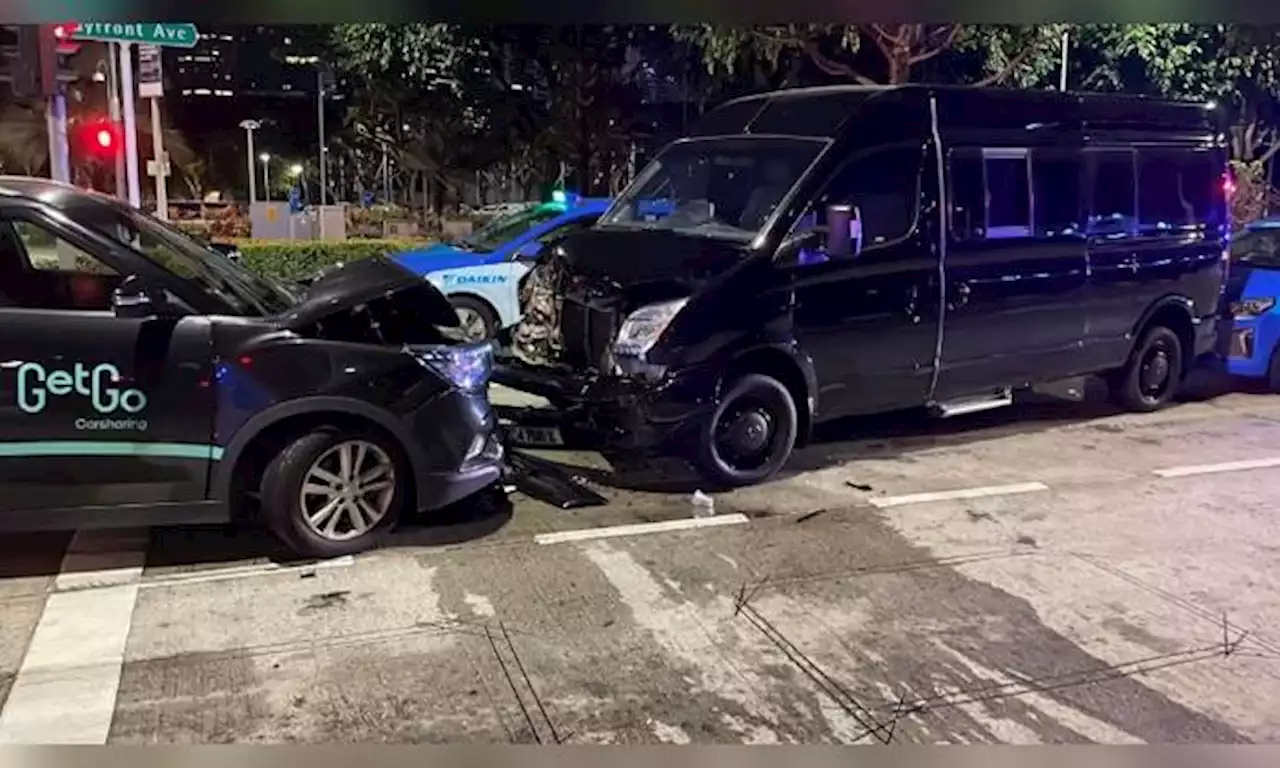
{"points": [[99, 383]]}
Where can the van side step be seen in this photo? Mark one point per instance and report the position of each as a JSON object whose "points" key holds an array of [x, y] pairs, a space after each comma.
{"points": [[974, 404]]}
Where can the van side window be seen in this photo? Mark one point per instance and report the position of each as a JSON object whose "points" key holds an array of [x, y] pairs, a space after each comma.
{"points": [[1176, 188], [1009, 202], [968, 194], [1113, 204], [1057, 176], [885, 186], [990, 193]]}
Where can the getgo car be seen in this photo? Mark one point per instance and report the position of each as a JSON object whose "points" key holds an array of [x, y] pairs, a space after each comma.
{"points": [[147, 380]]}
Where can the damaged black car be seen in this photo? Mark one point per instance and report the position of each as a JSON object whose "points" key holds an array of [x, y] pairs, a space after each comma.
{"points": [[148, 380], [813, 254]]}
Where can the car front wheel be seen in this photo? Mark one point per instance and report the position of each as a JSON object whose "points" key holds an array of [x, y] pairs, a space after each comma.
{"points": [[334, 492], [750, 435]]}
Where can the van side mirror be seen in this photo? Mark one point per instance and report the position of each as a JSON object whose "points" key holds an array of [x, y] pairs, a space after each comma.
{"points": [[844, 231], [529, 251], [133, 299]]}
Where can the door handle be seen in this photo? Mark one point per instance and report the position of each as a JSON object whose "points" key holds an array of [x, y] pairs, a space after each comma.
{"points": [[962, 293]]}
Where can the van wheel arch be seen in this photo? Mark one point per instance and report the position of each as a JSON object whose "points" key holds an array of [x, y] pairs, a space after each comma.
{"points": [[1174, 313], [797, 377]]}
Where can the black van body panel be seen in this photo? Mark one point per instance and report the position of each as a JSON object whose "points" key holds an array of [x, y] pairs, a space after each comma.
{"points": [[929, 317]]}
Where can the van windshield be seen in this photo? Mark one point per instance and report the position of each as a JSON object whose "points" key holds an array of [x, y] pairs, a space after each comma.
{"points": [[717, 187]]}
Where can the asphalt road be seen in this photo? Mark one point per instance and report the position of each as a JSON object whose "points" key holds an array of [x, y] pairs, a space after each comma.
{"points": [[1051, 573]]}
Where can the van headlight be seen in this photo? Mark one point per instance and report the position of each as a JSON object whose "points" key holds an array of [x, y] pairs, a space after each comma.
{"points": [[642, 328], [1252, 307]]}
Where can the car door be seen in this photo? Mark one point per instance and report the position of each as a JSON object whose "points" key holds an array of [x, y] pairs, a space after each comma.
{"points": [[96, 411], [870, 323], [1016, 269]]}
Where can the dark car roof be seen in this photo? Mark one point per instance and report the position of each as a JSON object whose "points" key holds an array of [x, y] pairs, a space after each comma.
{"points": [[53, 193]]}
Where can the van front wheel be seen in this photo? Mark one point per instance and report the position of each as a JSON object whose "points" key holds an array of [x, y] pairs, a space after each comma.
{"points": [[750, 435], [1151, 378]]}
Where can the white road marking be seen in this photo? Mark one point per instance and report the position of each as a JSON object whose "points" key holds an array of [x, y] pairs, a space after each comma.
{"points": [[1209, 469], [683, 524], [65, 690], [884, 502], [244, 572]]}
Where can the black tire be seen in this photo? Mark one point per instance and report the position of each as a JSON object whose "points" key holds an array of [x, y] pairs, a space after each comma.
{"points": [[1273, 372], [745, 402], [481, 310], [1152, 377], [282, 493]]}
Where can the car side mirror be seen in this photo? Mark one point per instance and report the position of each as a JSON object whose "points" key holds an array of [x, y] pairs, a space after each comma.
{"points": [[844, 231], [133, 299]]}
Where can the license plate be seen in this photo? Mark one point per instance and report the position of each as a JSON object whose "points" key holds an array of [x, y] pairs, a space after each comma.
{"points": [[549, 436]]}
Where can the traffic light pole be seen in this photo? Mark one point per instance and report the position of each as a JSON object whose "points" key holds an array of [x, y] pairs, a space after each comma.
{"points": [[113, 111], [59, 155], [128, 98]]}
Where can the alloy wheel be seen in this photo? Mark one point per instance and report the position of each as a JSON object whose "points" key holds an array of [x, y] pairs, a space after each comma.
{"points": [[472, 324], [348, 490]]}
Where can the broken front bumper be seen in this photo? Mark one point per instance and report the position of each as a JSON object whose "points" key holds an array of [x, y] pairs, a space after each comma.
{"points": [[591, 411]]}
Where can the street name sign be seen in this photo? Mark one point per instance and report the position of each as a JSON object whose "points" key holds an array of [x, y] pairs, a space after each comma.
{"points": [[147, 32]]}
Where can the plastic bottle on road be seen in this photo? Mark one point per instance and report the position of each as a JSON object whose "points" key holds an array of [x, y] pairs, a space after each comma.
{"points": [[703, 505]]}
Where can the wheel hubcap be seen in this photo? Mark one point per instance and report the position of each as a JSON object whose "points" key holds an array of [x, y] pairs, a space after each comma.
{"points": [[473, 325], [1156, 372], [348, 490], [745, 436]]}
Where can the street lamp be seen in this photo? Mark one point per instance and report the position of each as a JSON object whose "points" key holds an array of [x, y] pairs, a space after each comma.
{"points": [[265, 157], [249, 127], [295, 170]]}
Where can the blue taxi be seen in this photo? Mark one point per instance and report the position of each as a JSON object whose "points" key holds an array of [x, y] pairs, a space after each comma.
{"points": [[481, 273]]}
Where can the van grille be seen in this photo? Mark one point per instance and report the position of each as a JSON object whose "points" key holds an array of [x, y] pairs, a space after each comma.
{"points": [[587, 333]]}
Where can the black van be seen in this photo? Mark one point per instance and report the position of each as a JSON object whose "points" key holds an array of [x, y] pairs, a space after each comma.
{"points": [[846, 250], [148, 380]]}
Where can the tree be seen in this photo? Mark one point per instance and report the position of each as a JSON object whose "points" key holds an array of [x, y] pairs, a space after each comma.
{"points": [[876, 54]]}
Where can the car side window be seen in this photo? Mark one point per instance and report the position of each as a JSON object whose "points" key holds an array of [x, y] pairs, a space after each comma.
{"points": [[40, 270], [885, 186]]}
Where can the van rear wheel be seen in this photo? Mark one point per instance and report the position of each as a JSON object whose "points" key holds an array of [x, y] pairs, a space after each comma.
{"points": [[1153, 375], [750, 435]]}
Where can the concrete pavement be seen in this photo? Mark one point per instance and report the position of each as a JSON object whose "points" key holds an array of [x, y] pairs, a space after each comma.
{"points": [[1058, 574]]}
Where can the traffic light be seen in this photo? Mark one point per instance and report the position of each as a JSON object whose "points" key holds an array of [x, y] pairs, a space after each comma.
{"points": [[39, 63], [63, 44], [100, 138]]}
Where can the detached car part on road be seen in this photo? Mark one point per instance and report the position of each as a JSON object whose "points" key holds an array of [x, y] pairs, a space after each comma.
{"points": [[838, 251], [148, 380]]}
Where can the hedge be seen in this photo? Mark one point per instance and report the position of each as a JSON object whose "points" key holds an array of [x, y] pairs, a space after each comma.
{"points": [[296, 259]]}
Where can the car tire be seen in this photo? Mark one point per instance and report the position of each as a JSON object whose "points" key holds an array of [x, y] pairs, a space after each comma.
{"points": [[1273, 372], [726, 454], [307, 474], [1151, 378], [468, 307]]}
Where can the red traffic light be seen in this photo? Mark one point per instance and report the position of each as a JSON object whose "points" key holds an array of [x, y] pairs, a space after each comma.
{"points": [[63, 38], [101, 138]]}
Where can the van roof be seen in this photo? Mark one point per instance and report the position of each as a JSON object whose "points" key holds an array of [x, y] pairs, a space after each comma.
{"points": [[822, 111]]}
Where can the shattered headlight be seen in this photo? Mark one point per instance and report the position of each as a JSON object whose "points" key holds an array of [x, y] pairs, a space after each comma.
{"points": [[465, 366], [642, 328]]}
